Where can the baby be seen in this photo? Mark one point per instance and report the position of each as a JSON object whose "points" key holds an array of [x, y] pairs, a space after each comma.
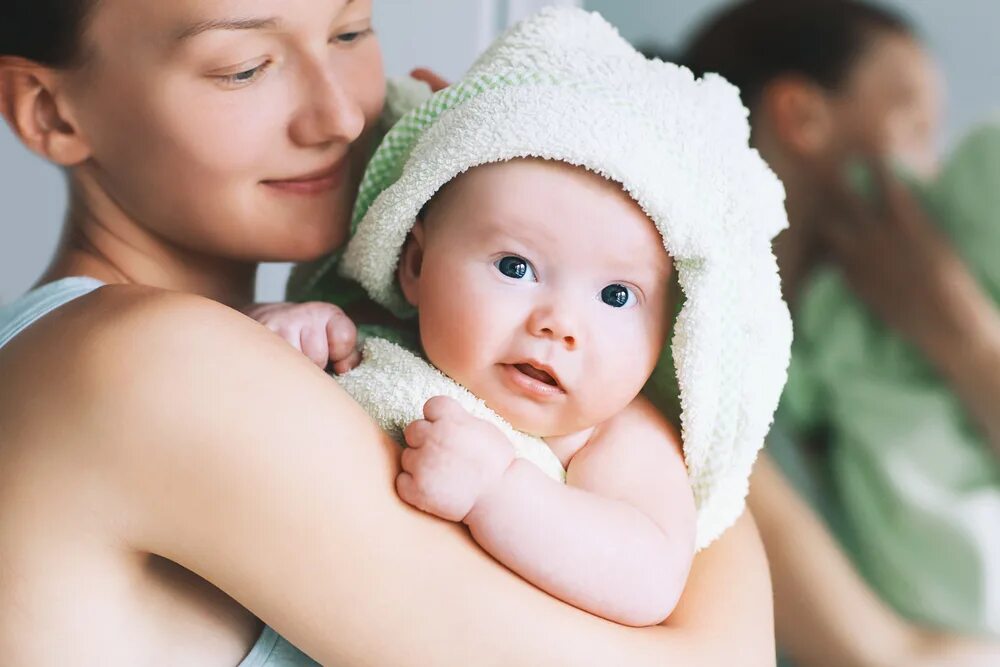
{"points": [[524, 217]]}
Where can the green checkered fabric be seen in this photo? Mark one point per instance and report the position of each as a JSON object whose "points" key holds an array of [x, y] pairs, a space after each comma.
{"points": [[387, 164]]}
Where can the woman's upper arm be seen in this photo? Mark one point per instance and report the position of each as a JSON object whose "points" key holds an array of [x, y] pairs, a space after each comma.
{"points": [[238, 459]]}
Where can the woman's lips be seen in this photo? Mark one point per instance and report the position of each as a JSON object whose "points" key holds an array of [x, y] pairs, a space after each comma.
{"points": [[313, 183], [531, 380]]}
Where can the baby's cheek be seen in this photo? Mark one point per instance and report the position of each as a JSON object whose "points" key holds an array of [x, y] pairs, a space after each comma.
{"points": [[620, 369]]}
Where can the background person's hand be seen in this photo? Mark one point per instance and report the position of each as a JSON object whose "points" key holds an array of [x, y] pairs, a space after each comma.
{"points": [[430, 78], [892, 255], [897, 261]]}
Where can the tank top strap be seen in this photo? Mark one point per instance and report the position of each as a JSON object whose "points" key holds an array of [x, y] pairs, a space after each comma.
{"points": [[20, 314]]}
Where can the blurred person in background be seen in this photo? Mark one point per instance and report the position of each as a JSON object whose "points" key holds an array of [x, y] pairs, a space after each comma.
{"points": [[890, 424]]}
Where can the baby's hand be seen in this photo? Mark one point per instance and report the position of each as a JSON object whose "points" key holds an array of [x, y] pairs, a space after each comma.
{"points": [[321, 331], [453, 459]]}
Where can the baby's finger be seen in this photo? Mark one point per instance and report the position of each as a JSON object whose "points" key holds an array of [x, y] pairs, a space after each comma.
{"points": [[348, 364], [406, 488], [341, 335], [312, 342], [408, 460], [440, 407], [416, 433]]}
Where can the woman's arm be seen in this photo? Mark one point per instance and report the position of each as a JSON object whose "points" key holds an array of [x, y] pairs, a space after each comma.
{"points": [[231, 454], [825, 613]]}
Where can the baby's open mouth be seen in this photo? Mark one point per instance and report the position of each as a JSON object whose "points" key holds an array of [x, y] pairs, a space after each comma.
{"points": [[537, 374]]}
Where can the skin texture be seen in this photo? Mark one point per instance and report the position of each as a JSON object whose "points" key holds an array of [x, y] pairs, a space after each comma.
{"points": [[886, 112], [186, 472]]}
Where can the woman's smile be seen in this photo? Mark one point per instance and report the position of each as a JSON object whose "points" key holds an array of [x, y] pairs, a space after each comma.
{"points": [[315, 182]]}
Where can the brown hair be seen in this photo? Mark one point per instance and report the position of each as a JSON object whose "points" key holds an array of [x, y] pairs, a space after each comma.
{"points": [[753, 42], [49, 32]]}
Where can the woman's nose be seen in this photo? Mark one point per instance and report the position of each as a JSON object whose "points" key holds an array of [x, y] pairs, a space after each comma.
{"points": [[329, 112], [554, 323]]}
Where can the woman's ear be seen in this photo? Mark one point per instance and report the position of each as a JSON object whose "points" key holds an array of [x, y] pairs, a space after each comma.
{"points": [[410, 263], [799, 114], [34, 105]]}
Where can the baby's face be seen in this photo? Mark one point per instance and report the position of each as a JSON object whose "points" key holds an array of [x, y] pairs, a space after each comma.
{"points": [[543, 289]]}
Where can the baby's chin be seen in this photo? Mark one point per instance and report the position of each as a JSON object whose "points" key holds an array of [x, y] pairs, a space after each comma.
{"points": [[540, 421]]}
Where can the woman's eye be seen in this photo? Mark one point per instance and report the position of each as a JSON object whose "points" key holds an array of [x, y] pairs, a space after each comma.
{"points": [[618, 296], [515, 267], [348, 37], [244, 77]]}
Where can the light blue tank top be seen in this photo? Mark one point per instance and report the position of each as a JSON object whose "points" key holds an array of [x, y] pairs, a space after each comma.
{"points": [[271, 650]]}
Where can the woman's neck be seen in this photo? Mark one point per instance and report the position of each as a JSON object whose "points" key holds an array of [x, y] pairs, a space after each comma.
{"points": [[100, 241]]}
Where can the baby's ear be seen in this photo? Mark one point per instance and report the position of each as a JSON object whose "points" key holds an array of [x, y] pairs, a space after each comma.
{"points": [[410, 262]]}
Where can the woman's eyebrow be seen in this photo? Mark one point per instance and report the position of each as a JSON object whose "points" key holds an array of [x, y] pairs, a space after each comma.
{"points": [[226, 24]]}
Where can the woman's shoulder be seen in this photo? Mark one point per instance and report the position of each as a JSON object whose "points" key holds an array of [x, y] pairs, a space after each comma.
{"points": [[126, 369], [124, 336]]}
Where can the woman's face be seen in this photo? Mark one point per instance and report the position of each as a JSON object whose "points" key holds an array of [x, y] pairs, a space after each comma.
{"points": [[891, 104], [233, 128]]}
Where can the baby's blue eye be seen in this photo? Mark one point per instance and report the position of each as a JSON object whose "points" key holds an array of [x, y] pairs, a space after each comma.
{"points": [[617, 296], [515, 267]]}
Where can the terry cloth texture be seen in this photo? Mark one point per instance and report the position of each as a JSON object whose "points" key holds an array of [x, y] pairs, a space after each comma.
{"points": [[392, 385], [916, 487], [563, 85]]}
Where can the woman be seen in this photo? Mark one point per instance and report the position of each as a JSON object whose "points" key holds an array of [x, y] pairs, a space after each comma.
{"points": [[161, 488], [829, 83]]}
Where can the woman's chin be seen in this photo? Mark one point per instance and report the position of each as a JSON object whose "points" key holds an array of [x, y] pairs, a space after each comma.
{"points": [[304, 249]]}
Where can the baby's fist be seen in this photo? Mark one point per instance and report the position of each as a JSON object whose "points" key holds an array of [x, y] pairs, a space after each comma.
{"points": [[321, 331], [453, 459]]}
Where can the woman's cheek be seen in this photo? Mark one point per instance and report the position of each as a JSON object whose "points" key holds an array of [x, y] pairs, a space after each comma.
{"points": [[371, 81], [248, 130]]}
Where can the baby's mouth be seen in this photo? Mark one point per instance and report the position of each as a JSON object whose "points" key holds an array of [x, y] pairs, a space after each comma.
{"points": [[537, 374]]}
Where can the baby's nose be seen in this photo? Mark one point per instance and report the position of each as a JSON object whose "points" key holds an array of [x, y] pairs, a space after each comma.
{"points": [[554, 324]]}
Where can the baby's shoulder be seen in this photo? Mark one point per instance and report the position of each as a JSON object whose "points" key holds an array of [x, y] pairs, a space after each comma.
{"points": [[638, 430], [639, 418]]}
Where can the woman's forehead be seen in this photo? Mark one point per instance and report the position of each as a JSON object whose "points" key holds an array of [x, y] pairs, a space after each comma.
{"points": [[181, 20]]}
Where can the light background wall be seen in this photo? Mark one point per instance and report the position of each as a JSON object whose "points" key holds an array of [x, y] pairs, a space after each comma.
{"points": [[446, 35]]}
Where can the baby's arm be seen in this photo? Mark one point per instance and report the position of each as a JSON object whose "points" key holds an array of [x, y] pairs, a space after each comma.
{"points": [[617, 540], [321, 331]]}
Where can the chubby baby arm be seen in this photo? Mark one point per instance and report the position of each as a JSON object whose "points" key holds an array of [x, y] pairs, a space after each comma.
{"points": [[319, 330], [617, 540]]}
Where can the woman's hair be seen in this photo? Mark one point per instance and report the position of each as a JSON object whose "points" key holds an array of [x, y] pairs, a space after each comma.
{"points": [[755, 41], [49, 32]]}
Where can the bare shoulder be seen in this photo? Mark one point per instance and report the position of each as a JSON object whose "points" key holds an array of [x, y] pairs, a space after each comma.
{"points": [[141, 382], [639, 426], [636, 456], [121, 340]]}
